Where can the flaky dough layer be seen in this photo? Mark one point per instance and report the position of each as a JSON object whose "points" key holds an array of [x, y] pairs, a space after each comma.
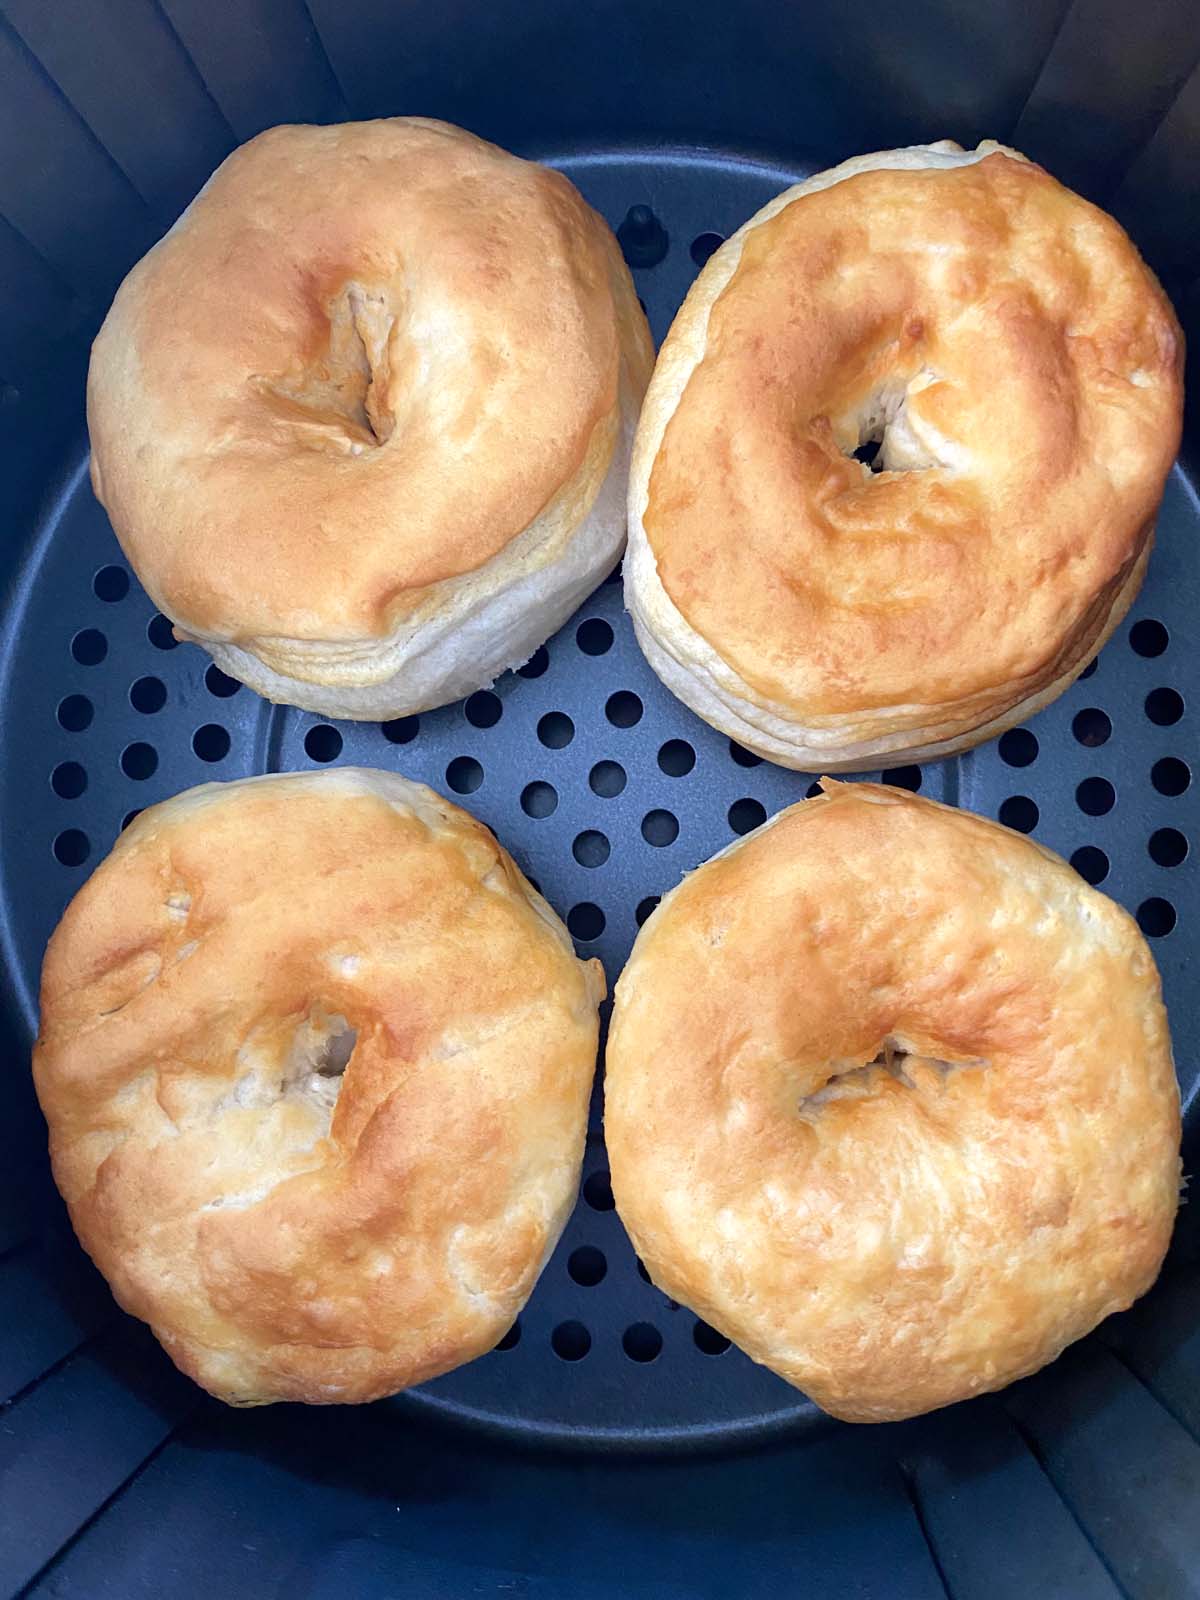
{"points": [[1021, 369], [362, 419], [316, 1060], [890, 1102]]}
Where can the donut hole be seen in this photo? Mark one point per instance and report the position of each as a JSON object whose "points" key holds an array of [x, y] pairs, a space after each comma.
{"points": [[893, 1066], [885, 435], [341, 402], [305, 1076], [317, 1060]]}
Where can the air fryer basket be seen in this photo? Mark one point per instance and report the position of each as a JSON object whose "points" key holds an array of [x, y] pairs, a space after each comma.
{"points": [[613, 1444]]}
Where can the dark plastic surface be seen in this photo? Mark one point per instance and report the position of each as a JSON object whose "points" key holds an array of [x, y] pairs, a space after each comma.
{"points": [[116, 1478]]}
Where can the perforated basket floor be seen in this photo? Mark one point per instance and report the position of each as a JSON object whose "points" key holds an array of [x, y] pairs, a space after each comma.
{"points": [[606, 790]]}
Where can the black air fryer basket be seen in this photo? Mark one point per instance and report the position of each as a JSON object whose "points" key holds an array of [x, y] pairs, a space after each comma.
{"points": [[613, 1445]]}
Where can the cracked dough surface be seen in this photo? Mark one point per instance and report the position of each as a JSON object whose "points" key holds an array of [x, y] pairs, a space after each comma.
{"points": [[316, 1059], [889, 1100]]}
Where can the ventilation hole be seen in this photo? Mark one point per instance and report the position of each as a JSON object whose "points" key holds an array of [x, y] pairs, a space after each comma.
{"points": [[139, 761], [89, 647], [160, 634], [512, 1338], [586, 921], [211, 742], [556, 730], [464, 774], [111, 583], [570, 1341], [483, 709], [75, 713], [1089, 671], [708, 1340], [1170, 775], [1149, 638], [1021, 813], [597, 1191], [591, 848], [1164, 707], [69, 780], [1156, 917], [1018, 747], [903, 777], [587, 1265], [1090, 863], [743, 757], [1095, 797], [704, 245], [148, 695], [130, 816], [813, 790], [72, 847], [1092, 727], [219, 683], [677, 758], [646, 908], [322, 743], [624, 709], [660, 828], [400, 730], [539, 800], [1167, 847], [594, 637], [747, 814], [641, 1342], [607, 779], [537, 663], [643, 1274]]}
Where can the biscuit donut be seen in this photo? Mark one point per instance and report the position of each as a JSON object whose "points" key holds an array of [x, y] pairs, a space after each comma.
{"points": [[315, 1059], [890, 1102], [362, 419], [1020, 370]]}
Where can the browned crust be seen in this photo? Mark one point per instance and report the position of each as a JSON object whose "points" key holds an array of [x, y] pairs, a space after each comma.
{"points": [[275, 1254], [917, 606], [919, 1239], [362, 363]]}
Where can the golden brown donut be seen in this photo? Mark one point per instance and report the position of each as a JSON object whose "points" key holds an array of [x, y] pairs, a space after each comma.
{"points": [[1022, 371], [890, 1102], [362, 419], [316, 1061]]}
